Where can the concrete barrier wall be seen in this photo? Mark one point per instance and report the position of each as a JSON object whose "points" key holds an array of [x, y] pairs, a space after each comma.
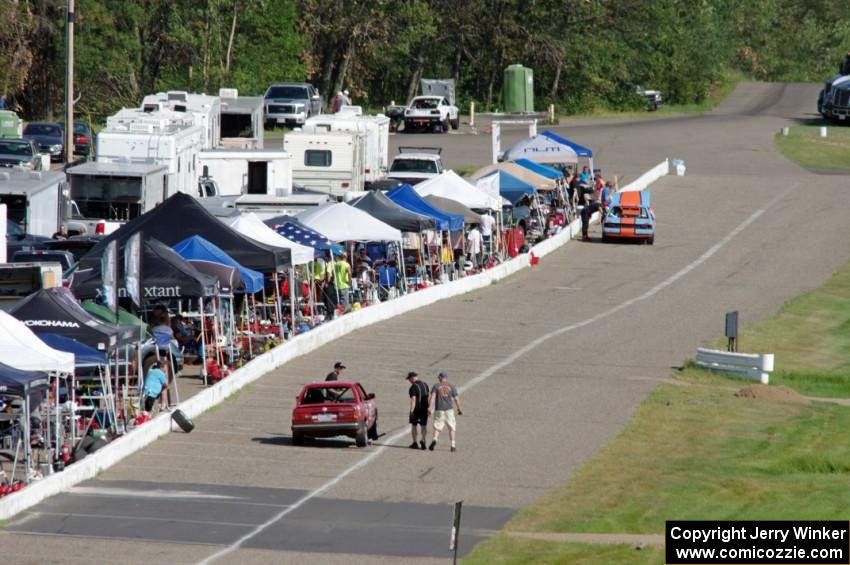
{"points": [[649, 177], [301, 344]]}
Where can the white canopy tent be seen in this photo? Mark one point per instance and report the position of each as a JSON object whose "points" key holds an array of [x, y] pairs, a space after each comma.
{"points": [[450, 185], [22, 349], [253, 227], [341, 222]]}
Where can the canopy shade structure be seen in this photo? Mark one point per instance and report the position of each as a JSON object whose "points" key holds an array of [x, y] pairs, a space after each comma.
{"points": [[84, 356], [180, 217], [377, 204], [454, 207], [18, 382], [449, 185], [196, 248], [512, 188], [21, 348], [341, 222], [542, 170], [580, 150], [253, 227], [124, 318], [406, 197], [539, 182], [54, 310], [290, 228], [541, 149], [165, 274]]}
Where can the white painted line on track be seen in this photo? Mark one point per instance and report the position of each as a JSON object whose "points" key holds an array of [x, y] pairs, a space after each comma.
{"points": [[123, 518], [154, 493], [491, 371]]}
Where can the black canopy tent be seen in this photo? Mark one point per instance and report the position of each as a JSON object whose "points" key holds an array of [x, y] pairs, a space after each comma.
{"points": [[182, 216], [454, 207], [165, 274], [19, 383], [54, 310], [379, 206]]}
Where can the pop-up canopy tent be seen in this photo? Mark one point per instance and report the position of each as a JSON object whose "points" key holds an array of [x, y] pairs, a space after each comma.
{"points": [[379, 206], [580, 150], [253, 227], [53, 310], [196, 249], [341, 222], [454, 207], [124, 318], [17, 382], [536, 180], [541, 149], [164, 274], [450, 185], [406, 197], [290, 228], [512, 188], [180, 217], [84, 356], [542, 170], [21, 348]]}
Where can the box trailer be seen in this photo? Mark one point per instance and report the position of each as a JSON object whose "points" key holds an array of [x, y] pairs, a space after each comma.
{"points": [[163, 137], [376, 132], [37, 200], [19, 280], [249, 171], [205, 111], [242, 121], [329, 162]]}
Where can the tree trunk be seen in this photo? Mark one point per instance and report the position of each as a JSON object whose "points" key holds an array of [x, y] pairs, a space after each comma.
{"points": [[343, 66], [328, 57], [230, 40], [417, 74], [554, 93]]}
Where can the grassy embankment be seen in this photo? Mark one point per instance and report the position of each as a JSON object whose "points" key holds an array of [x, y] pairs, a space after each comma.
{"points": [[804, 146], [695, 450]]}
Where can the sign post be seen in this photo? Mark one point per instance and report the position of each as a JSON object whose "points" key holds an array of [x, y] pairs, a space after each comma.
{"points": [[732, 330], [455, 530]]}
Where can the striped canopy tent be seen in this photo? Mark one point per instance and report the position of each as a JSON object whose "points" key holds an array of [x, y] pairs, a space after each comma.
{"points": [[538, 181]]}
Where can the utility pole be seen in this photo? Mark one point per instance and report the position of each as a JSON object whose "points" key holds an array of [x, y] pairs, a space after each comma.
{"points": [[69, 82]]}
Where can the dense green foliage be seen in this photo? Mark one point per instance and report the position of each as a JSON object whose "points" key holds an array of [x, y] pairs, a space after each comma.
{"points": [[585, 53]]}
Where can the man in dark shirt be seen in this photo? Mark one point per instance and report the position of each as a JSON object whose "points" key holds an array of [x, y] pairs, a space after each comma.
{"points": [[334, 375], [441, 404], [418, 408]]}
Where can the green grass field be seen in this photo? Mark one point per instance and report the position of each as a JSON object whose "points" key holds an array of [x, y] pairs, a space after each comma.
{"points": [[804, 146], [695, 450]]}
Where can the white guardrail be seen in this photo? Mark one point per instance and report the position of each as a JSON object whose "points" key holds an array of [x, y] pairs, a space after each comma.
{"points": [[752, 365], [301, 344]]}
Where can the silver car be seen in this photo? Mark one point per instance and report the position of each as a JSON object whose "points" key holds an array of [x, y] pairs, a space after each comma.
{"points": [[20, 153]]}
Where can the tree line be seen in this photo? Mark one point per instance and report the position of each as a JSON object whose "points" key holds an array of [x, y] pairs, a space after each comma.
{"points": [[585, 53]]}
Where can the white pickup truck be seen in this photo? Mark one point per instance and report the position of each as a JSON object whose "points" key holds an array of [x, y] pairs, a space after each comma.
{"points": [[415, 164], [430, 113]]}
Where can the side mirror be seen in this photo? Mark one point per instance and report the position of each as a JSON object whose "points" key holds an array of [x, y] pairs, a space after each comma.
{"points": [[370, 396]]}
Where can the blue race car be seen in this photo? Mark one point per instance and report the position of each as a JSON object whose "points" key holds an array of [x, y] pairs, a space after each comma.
{"points": [[629, 216]]}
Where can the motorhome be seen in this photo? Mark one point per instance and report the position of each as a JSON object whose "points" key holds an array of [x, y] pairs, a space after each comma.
{"points": [[329, 162], [376, 132], [204, 109], [163, 137], [241, 120], [36, 200], [245, 171]]}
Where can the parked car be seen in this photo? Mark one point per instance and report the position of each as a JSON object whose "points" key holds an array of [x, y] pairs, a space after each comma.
{"points": [[653, 98], [329, 409], [49, 137], [19, 240], [64, 258], [78, 245], [431, 113], [291, 103], [20, 152], [82, 139], [629, 216]]}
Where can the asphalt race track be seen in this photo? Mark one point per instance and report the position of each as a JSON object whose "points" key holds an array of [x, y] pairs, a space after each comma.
{"points": [[553, 362]]}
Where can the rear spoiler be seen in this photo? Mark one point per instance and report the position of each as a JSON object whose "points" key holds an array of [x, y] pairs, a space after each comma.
{"points": [[434, 150]]}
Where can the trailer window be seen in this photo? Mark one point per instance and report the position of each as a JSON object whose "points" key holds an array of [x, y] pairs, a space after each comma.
{"points": [[317, 158]]}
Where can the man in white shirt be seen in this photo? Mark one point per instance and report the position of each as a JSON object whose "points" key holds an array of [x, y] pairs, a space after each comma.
{"points": [[474, 240], [487, 222]]}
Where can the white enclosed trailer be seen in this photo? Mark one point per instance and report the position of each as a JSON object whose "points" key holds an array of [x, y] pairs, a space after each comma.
{"points": [[376, 132], [242, 120], [249, 171], [205, 111], [329, 162], [37, 200]]}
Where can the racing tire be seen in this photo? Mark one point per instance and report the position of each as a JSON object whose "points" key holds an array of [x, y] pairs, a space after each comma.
{"points": [[297, 438], [82, 448], [455, 123], [362, 438], [650, 240], [96, 444], [186, 424], [373, 431], [606, 239]]}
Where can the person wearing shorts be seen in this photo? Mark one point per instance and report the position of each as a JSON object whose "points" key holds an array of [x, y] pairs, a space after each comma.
{"points": [[441, 404], [156, 382], [418, 409]]}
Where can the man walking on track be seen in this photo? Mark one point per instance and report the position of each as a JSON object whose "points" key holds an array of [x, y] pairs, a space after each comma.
{"points": [[441, 403], [418, 408]]}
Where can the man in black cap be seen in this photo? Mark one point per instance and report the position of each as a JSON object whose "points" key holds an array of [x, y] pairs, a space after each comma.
{"points": [[418, 408], [334, 375]]}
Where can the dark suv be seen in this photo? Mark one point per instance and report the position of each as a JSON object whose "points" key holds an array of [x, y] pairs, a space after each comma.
{"points": [[291, 103]]}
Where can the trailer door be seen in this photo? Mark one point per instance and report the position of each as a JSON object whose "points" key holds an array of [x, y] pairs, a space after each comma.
{"points": [[258, 177]]}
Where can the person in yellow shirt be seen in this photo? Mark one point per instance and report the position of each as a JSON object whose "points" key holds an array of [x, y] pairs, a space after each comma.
{"points": [[342, 280]]}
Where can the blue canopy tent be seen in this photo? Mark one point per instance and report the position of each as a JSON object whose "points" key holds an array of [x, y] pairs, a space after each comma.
{"points": [[16, 382], [541, 149], [512, 188], [196, 248], [84, 356], [406, 197], [580, 150], [543, 170]]}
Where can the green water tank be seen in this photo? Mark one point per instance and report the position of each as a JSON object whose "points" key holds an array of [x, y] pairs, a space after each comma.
{"points": [[518, 89], [10, 124]]}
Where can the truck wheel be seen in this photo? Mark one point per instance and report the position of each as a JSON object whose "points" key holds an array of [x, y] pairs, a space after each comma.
{"points": [[361, 439], [455, 123]]}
